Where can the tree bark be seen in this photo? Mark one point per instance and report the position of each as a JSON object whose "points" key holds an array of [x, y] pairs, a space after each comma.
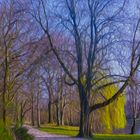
{"points": [[49, 112], [38, 111], [61, 117], [84, 130], [4, 109], [21, 114], [5, 86], [57, 115], [50, 91], [32, 113], [133, 126]]}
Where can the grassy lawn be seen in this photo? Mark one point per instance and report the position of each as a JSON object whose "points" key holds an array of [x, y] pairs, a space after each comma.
{"points": [[73, 131], [115, 137], [60, 130]]}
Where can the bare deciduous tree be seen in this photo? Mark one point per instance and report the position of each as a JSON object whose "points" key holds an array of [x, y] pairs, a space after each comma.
{"points": [[93, 38]]}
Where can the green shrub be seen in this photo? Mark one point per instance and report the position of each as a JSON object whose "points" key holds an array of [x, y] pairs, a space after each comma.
{"points": [[21, 134], [5, 132]]}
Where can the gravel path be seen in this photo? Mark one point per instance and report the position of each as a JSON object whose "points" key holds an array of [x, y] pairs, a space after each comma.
{"points": [[39, 135]]}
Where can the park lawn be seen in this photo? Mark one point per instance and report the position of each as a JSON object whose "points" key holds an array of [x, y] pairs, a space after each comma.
{"points": [[115, 137], [60, 130], [73, 131]]}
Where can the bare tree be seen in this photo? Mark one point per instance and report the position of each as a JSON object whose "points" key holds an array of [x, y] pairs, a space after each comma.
{"points": [[92, 39]]}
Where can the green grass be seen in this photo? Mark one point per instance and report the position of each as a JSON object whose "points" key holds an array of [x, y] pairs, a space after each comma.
{"points": [[115, 137], [73, 131], [60, 130]]}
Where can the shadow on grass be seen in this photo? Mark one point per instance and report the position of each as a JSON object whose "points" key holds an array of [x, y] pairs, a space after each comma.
{"points": [[49, 128], [59, 138], [61, 131]]}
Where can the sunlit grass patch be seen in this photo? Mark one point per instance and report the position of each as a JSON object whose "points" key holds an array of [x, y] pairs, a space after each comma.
{"points": [[60, 130], [115, 137]]}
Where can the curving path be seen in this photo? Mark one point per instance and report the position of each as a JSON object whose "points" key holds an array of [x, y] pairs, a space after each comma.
{"points": [[39, 135]]}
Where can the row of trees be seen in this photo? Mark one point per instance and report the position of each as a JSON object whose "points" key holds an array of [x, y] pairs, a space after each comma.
{"points": [[72, 59]]}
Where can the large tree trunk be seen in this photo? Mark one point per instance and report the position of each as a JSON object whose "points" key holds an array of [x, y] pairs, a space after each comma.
{"points": [[84, 130]]}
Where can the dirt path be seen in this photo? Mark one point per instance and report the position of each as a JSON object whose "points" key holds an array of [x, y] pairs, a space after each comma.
{"points": [[39, 135]]}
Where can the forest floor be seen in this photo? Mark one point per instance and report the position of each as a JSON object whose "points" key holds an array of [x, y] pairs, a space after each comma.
{"points": [[39, 135]]}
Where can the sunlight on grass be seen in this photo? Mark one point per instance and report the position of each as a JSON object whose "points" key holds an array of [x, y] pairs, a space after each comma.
{"points": [[60, 130], [73, 131], [115, 137]]}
